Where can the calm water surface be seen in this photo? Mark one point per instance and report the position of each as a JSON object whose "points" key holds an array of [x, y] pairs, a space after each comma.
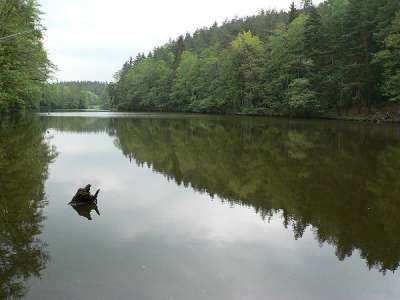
{"points": [[199, 207]]}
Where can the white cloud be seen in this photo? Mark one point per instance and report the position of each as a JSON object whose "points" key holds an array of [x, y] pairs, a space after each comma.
{"points": [[90, 39]]}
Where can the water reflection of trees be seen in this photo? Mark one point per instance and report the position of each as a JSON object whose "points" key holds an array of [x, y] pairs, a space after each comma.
{"points": [[341, 179], [79, 124], [24, 158]]}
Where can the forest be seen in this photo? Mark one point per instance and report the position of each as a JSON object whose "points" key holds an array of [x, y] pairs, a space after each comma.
{"points": [[75, 95], [331, 58]]}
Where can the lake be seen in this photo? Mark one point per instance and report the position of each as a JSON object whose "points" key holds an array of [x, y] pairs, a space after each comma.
{"points": [[199, 207]]}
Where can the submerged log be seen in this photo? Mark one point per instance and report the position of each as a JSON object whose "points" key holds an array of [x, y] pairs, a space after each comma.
{"points": [[83, 196]]}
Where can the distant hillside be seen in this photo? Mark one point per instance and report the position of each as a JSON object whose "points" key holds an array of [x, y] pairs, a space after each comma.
{"points": [[338, 56], [75, 95]]}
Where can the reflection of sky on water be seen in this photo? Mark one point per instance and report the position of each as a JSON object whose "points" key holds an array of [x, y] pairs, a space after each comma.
{"points": [[157, 240]]}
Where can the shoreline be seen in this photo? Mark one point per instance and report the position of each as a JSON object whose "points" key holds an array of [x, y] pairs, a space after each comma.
{"points": [[376, 118]]}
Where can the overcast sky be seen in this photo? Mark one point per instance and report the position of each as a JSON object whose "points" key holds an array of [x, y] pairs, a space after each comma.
{"points": [[90, 39]]}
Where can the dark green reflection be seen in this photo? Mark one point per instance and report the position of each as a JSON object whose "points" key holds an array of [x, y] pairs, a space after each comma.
{"points": [[339, 178], [24, 158]]}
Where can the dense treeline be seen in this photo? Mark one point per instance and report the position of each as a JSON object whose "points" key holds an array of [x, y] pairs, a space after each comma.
{"points": [[339, 55], [24, 66], [75, 95]]}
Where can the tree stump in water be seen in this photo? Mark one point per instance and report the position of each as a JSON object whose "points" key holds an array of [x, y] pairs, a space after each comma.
{"points": [[83, 196]]}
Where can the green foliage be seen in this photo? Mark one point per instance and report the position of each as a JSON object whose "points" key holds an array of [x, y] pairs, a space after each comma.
{"points": [[148, 84], [242, 72], [390, 59], [305, 62], [187, 85], [301, 99], [359, 74], [24, 66]]}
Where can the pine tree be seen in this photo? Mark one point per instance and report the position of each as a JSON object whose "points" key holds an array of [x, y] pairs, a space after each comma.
{"points": [[361, 76], [179, 47], [313, 36], [314, 49], [385, 15], [293, 13], [390, 60], [307, 4]]}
